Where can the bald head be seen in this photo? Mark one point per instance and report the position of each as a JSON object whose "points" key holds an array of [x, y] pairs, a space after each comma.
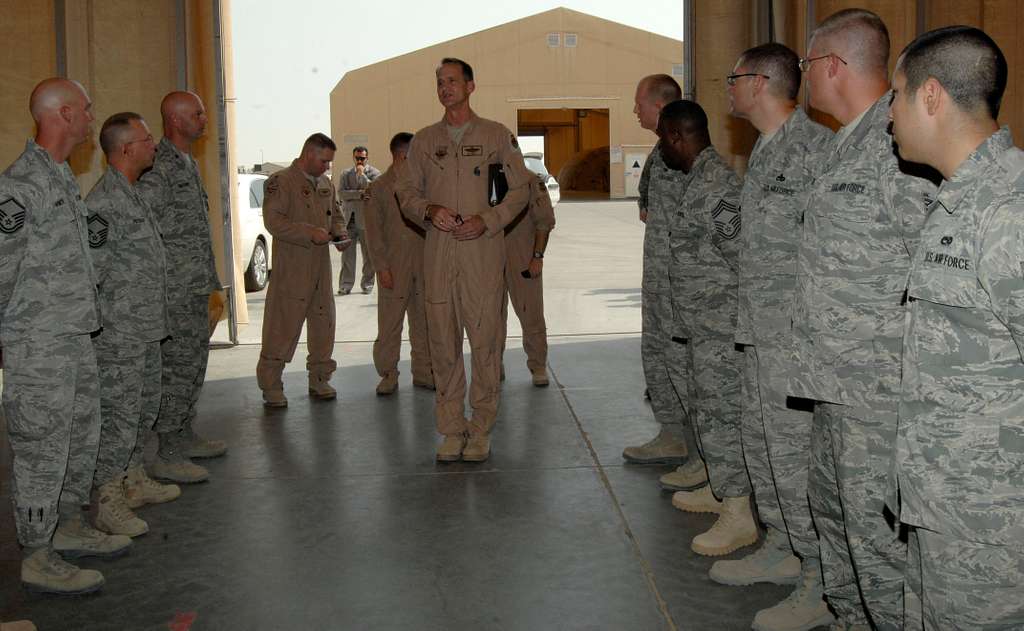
{"points": [[52, 94], [184, 116], [63, 114]]}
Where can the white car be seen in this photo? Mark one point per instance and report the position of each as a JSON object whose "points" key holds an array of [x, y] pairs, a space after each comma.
{"points": [[535, 163], [254, 247]]}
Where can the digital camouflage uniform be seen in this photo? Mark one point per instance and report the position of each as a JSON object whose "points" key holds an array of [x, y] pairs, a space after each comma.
{"points": [[960, 446], [48, 309], [703, 238], [175, 194], [776, 436], [128, 256], [396, 244], [527, 294], [464, 280], [662, 191], [351, 189], [860, 228]]}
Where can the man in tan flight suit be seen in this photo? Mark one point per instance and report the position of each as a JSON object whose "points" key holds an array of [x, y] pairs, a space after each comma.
{"points": [[301, 213], [466, 176], [396, 251], [526, 238]]}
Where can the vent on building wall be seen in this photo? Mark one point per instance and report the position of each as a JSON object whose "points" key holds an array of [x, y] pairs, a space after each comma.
{"points": [[570, 40], [554, 40], [677, 70]]}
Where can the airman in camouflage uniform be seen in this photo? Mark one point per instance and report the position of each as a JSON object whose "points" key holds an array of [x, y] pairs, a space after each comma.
{"points": [[48, 310], [776, 436], [128, 256], [860, 229], [703, 233], [959, 462], [174, 191], [661, 192]]}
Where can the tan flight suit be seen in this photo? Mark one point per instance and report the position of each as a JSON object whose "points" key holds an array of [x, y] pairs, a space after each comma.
{"points": [[300, 287], [396, 245], [464, 280], [527, 294]]}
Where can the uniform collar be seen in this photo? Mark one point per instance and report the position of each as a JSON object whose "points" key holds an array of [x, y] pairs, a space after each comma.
{"points": [[978, 164]]}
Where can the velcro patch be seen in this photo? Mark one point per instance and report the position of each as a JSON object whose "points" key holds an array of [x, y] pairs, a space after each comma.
{"points": [[473, 150], [727, 219], [12, 216], [98, 230]]}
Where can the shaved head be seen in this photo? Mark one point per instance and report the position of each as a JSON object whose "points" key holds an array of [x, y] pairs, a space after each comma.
{"points": [[184, 116], [52, 94], [858, 36]]}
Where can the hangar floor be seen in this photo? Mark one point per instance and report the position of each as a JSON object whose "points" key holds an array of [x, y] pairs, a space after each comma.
{"points": [[335, 515]]}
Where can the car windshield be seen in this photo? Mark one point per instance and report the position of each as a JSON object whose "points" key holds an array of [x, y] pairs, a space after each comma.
{"points": [[536, 165]]}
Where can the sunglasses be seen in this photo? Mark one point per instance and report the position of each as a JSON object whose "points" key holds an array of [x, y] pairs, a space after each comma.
{"points": [[360, 158]]}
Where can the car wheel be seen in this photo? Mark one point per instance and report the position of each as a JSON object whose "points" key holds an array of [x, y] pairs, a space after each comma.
{"points": [[258, 272]]}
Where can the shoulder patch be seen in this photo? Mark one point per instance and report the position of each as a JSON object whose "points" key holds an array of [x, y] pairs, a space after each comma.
{"points": [[515, 143], [727, 219], [271, 187], [12, 216], [98, 230]]}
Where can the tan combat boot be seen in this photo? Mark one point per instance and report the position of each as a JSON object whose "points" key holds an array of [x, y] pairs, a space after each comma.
{"points": [[74, 538], [44, 571], [478, 448], [140, 489], [689, 476], [427, 384], [451, 448], [388, 384], [734, 529], [170, 464], [802, 610], [700, 501], [18, 625], [540, 377], [773, 562], [662, 449], [113, 515], [320, 388], [195, 446], [274, 399]]}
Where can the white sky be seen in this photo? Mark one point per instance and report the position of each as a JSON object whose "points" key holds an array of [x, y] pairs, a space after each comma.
{"points": [[289, 55]]}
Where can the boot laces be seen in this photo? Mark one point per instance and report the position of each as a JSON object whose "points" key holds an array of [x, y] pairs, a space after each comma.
{"points": [[54, 563], [119, 508]]}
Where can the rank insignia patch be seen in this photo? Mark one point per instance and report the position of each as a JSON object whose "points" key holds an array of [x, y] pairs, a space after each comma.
{"points": [[727, 219], [12, 216], [441, 152], [98, 229]]}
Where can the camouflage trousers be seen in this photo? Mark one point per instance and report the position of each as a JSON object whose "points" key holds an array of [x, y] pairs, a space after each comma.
{"points": [[712, 386], [963, 585], [129, 400], [183, 358], [668, 404], [776, 440], [862, 557], [52, 407]]}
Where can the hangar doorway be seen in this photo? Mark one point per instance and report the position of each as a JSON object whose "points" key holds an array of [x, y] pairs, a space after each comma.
{"points": [[575, 148]]}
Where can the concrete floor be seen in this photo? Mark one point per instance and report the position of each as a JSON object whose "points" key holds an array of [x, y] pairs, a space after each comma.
{"points": [[336, 516]]}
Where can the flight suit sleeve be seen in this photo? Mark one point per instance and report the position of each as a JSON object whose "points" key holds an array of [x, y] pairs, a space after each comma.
{"points": [[338, 219], [1001, 265], [276, 217], [15, 212], [725, 218], [907, 200], [519, 179], [410, 186], [541, 211], [374, 213]]}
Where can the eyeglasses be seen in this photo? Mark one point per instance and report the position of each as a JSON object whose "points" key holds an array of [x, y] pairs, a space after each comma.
{"points": [[148, 138], [805, 64], [360, 158], [731, 79]]}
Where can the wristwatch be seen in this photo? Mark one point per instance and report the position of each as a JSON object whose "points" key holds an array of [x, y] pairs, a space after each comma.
{"points": [[538, 255]]}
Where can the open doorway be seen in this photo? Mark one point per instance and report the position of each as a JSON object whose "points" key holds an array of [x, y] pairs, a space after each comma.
{"points": [[575, 148]]}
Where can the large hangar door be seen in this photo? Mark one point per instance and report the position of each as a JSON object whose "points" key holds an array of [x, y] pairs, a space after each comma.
{"points": [[575, 147]]}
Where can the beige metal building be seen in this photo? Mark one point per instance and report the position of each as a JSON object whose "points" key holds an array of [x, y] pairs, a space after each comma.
{"points": [[561, 74]]}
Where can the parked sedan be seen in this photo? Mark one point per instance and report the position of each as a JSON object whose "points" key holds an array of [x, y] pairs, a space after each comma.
{"points": [[535, 163], [254, 247]]}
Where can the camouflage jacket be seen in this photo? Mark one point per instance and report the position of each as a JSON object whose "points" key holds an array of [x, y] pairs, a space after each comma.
{"points": [[645, 181], [128, 255], [175, 192], [47, 283], [960, 443], [703, 234], [860, 230], [775, 189], [665, 189]]}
